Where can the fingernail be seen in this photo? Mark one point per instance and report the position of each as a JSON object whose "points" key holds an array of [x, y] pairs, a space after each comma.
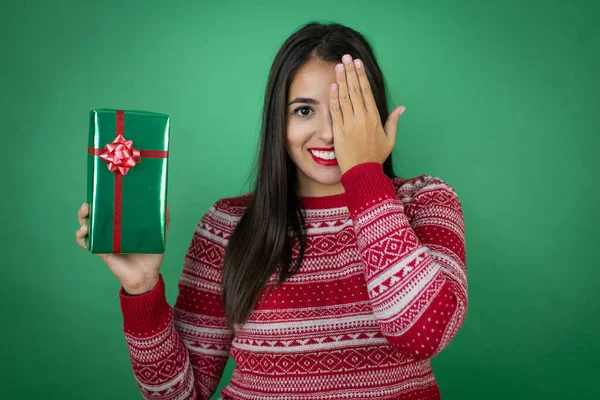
{"points": [[402, 110], [357, 63]]}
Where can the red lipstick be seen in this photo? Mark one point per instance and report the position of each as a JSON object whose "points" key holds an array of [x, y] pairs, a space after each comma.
{"points": [[327, 163], [322, 148]]}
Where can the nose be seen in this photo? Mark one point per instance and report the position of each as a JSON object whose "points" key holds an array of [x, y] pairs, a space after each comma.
{"points": [[326, 131]]}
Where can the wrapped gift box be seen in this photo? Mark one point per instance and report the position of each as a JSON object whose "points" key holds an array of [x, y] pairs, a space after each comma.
{"points": [[127, 181]]}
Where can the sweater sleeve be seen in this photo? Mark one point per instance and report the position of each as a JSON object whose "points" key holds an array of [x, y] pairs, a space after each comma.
{"points": [[181, 352], [415, 270]]}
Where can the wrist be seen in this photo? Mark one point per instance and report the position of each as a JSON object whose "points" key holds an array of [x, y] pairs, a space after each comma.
{"points": [[141, 289]]}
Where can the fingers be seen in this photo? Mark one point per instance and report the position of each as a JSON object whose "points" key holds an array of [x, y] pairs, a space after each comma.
{"points": [[353, 86], [81, 233], [334, 107], [82, 213], [344, 96], [391, 125], [365, 86]]}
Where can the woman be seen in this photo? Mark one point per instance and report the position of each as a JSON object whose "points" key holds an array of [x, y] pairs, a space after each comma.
{"points": [[333, 279]]}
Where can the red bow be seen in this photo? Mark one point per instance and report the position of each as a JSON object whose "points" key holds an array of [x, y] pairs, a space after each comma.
{"points": [[120, 155]]}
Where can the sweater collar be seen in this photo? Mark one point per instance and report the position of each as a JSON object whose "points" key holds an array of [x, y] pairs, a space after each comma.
{"points": [[323, 202]]}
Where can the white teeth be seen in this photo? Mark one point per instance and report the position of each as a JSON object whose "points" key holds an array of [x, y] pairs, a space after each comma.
{"points": [[326, 155]]}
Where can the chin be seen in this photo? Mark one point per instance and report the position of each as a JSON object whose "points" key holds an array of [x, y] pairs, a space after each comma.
{"points": [[331, 177]]}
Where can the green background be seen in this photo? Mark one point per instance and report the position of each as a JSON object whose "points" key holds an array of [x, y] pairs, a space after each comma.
{"points": [[502, 103]]}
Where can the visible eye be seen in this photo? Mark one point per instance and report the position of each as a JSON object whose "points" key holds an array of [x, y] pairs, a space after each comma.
{"points": [[303, 108]]}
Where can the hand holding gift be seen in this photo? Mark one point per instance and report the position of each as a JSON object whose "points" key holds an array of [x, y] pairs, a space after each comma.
{"points": [[138, 273], [124, 218]]}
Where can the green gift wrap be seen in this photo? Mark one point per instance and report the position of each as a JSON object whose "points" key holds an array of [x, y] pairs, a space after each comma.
{"points": [[127, 181]]}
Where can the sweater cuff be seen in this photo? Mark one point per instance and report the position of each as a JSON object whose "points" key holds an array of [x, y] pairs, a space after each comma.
{"points": [[366, 184], [146, 314]]}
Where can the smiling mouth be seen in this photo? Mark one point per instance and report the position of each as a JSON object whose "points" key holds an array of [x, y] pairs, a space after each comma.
{"points": [[323, 155], [324, 158]]}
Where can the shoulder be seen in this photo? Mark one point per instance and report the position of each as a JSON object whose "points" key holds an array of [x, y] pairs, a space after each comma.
{"points": [[425, 190], [224, 214], [233, 206]]}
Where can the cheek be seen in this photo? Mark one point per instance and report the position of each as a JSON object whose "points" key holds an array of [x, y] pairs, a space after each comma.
{"points": [[296, 138]]}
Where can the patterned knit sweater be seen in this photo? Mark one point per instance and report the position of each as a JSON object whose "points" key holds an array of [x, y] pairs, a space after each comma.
{"points": [[381, 290]]}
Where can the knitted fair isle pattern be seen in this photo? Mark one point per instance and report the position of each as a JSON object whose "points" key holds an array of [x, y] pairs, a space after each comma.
{"points": [[382, 289]]}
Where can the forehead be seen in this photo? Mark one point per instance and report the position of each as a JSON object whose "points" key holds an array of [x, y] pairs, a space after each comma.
{"points": [[313, 76]]}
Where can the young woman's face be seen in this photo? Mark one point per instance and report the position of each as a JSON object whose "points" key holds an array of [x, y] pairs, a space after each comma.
{"points": [[309, 127]]}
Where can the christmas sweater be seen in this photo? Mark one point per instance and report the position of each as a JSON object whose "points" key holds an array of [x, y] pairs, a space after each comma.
{"points": [[381, 290]]}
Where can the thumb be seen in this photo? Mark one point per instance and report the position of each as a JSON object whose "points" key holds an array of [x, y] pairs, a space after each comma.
{"points": [[391, 125]]}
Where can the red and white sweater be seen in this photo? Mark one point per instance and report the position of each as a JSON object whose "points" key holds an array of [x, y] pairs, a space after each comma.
{"points": [[381, 290]]}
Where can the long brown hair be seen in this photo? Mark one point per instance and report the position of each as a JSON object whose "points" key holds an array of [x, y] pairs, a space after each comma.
{"points": [[273, 223]]}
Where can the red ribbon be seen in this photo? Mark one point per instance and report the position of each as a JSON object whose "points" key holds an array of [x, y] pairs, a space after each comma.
{"points": [[121, 156]]}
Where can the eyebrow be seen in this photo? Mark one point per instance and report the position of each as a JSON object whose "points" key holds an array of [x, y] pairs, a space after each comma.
{"points": [[307, 100]]}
